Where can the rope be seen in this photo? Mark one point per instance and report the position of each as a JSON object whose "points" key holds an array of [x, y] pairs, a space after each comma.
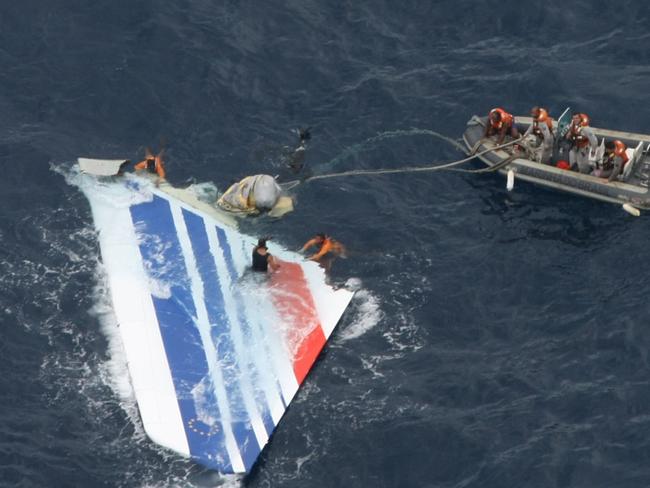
{"points": [[417, 169], [489, 169], [350, 151]]}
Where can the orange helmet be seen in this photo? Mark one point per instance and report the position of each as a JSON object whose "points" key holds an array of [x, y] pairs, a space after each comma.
{"points": [[619, 149], [580, 120]]}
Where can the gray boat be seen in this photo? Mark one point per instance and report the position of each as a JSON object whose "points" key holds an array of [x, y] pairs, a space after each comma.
{"points": [[631, 190]]}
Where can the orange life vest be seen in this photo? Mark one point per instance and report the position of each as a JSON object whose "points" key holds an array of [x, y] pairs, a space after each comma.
{"points": [[575, 133], [153, 165], [619, 150], [326, 246], [506, 119], [543, 117]]}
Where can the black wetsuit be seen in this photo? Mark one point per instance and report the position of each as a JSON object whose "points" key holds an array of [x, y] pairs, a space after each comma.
{"points": [[260, 263]]}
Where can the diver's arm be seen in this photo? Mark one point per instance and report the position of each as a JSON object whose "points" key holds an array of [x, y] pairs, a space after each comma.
{"points": [[160, 170], [272, 262], [325, 248], [317, 256], [308, 244]]}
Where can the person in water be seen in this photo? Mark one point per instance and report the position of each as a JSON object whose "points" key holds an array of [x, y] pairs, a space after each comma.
{"points": [[500, 123], [262, 259], [614, 161], [326, 246], [296, 160], [152, 164]]}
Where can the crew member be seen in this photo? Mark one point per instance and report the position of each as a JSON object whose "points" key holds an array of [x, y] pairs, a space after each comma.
{"points": [[153, 164], [542, 128], [614, 160], [262, 259], [500, 123], [326, 244], [582, 140]]}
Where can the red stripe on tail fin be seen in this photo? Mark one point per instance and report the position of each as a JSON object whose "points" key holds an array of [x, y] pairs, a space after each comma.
{"points": [[295, 304]]}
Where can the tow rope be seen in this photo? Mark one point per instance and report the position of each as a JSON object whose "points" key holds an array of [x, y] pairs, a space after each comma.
{"points": [[417, 169]]}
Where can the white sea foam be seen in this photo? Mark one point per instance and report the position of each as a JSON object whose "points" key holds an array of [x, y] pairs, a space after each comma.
{"points": [[118, 196], [206, 192], [115, 195], [116, 367], [366, 309]]}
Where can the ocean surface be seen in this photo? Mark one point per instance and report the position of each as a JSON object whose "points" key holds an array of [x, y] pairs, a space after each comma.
{"points": [[497, 339]]}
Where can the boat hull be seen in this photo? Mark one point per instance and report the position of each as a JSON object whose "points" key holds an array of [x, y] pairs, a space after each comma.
{"points": [[633, 191]]}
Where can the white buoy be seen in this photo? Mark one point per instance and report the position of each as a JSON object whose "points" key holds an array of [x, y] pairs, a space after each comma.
{"points": [[511, 180], [631, 210]]}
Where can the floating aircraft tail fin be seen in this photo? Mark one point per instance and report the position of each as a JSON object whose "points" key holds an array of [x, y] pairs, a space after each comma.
{"points": [[215, 351]]}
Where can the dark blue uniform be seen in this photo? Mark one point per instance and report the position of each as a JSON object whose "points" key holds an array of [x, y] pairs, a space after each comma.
{"points": [[260, 263]]}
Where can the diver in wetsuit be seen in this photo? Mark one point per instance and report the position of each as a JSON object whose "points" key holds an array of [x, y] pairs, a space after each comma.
{"points": [[296, 160], [262, 259]]}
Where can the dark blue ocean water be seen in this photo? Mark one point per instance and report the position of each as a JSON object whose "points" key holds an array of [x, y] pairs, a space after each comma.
{"points": [[497, 339]]}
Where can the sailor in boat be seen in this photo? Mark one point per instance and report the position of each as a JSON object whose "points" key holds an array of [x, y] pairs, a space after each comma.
{"points": [[541, 132], [262, 259], [152, 164], [581, 139], [502, 124], [614, 160]]}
